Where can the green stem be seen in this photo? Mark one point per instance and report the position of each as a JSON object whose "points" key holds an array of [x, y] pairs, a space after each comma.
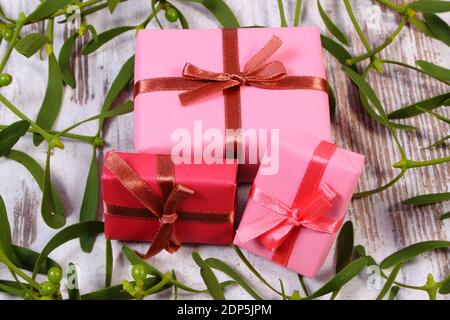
{"points": [[91, 10], [19, 25], [389, 40], [416, 164], [22, 116], [17, 271], [357, 26], [150, 17], [380, 189], [79, 137], [157, 287], [392, 5], [398, 63], [298, 9], [51, 24], [282, 16]]}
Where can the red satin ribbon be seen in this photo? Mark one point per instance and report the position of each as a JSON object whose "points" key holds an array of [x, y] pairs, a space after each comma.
{"points": [[278, 230]]}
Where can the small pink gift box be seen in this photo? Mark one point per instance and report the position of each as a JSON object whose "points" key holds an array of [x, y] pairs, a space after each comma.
{"points": [[160, 119], [293, 216]]}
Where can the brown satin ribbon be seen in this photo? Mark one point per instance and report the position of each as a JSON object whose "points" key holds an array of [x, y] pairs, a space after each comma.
{"points": [[164, 208], [198, 83]]}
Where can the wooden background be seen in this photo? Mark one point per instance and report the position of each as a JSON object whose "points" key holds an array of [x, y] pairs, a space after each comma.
{"points": [[383, 224]]}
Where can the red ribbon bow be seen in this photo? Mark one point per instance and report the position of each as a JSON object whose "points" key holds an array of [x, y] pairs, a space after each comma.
{"points": [[278, 230]]}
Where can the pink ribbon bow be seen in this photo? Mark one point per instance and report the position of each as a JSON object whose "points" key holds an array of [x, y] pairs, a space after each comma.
{"points": [[273, 229], [278, 230]]}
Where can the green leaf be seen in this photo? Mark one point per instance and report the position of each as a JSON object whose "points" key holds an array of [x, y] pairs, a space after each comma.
{"points": [[92, 31], [52, 211], [89, 206], [340, 279], [430, 6], [428, 198], [133, 258], [31, 43], [26, 259], [121, 81], [411, 110], [344, 247], [382, 120], [229, 271], [221, 11], [393, 292], [250, 266], [209, 278], [334, 30], [6, 247], [109, 264], [65, 60], [445, 216], [69, 233], [72, 282], [434, 70], [11, 134], [445, 286], [412, 251], [36, 171], [390, 281], [366, 93], [422, 26], [337, 50], [46, 9], [331, 100], [440, 28], [112, 4], [13, 288], [366, 90], [53, 99], [105, 37]]}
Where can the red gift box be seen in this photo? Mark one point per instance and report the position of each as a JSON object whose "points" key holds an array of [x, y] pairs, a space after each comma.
{"points": [[203, 214]]}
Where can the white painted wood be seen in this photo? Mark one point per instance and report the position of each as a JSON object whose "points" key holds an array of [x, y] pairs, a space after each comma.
{"points": [[383, 225]]}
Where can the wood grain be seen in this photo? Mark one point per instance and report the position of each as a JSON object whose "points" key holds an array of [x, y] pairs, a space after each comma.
{"points": [[383, 224]]}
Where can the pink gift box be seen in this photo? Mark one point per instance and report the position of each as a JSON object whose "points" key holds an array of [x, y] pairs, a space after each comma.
{"points": [[159, 114], [311, 247]]}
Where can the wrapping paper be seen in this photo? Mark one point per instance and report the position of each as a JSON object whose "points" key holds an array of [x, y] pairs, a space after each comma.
{"points": [[207, 181], [159, 114], [341, 174]]}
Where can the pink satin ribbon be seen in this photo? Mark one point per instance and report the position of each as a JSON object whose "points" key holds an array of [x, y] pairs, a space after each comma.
{"points": [[278, 230]]}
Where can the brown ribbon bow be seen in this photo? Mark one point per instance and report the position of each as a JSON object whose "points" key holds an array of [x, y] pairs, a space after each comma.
{"points": [[163, 208], [256, 73]]}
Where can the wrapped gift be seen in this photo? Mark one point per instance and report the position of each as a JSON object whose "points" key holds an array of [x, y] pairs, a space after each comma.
{"points": [[292, 217], [238, 89], [148, 198]]}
